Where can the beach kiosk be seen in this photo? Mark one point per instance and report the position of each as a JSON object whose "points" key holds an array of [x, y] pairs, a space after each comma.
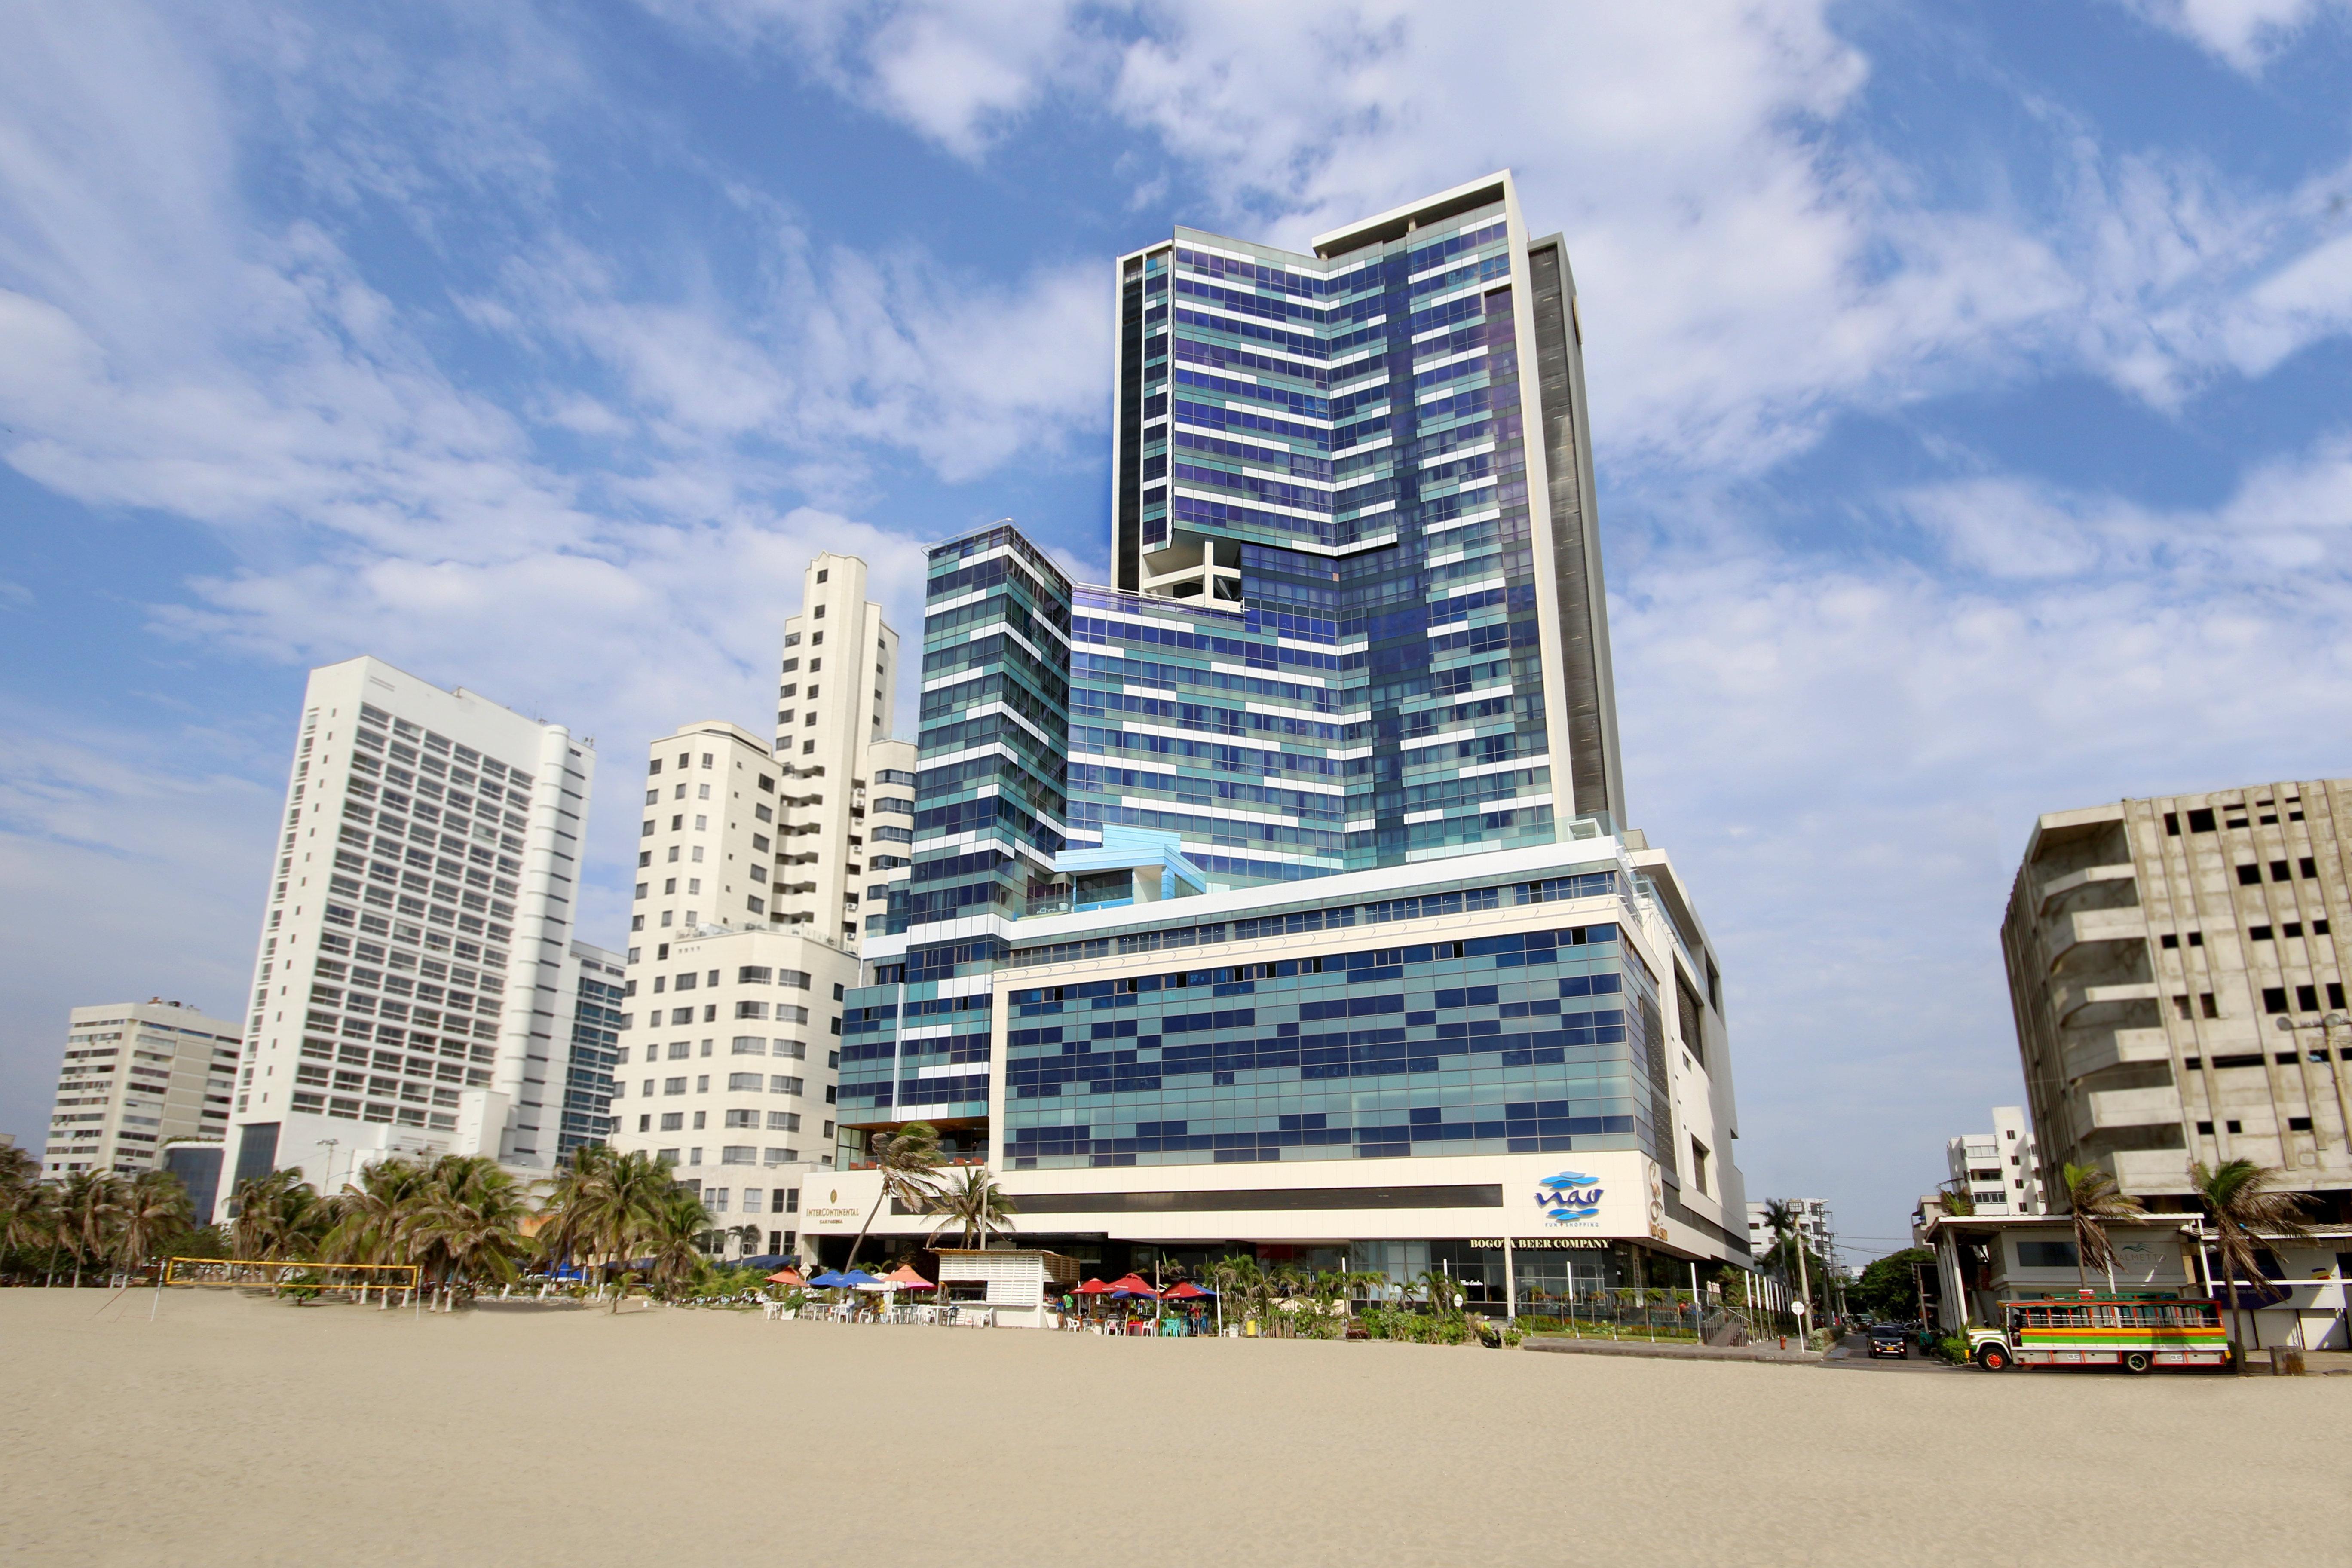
{"points": [[1014, 1283]]}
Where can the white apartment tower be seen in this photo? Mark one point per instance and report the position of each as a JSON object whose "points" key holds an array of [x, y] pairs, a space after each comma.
{"points": [[833, 702], [1998, 1169], [407, 991], [136, 1076], [727, 1048]]}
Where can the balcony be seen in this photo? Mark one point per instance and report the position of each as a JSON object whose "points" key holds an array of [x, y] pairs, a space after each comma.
{"points": [[2077, 997], [2058, 887], [2115, 1047], [2109, 1110], [2069, 933]]}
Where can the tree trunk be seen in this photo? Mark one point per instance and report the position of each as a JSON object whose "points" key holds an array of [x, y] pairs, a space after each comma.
{"points": [[2237, 1319]]}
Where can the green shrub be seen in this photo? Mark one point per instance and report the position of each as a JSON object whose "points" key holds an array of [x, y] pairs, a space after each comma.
{"points": [[1953, 1348]]}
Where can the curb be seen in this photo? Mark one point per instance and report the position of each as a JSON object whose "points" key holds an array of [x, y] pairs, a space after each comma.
{"points": [[1674, 1351]]}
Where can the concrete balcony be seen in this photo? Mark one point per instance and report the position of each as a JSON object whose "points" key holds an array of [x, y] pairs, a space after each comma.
{"points": [[2069, 933], [2110, 1110], [2057, 888], [2149, 1170], [2072, 998], [2114, 1048]]}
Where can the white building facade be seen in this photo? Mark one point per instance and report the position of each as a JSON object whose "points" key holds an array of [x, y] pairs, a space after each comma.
{"points": [[1998, 1169], [134, 1077], [409, 978]]}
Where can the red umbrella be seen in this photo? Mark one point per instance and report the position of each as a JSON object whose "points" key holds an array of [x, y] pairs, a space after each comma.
{"points": [[786, 1277], [1094, 1288], [1186, 1291], [905, 1274], [1134, 1286]]}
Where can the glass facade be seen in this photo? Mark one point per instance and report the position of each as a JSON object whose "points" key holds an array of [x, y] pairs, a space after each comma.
{"points": [[1334, 450], [595, 1051], [1534, 1041], [1325, 652]]}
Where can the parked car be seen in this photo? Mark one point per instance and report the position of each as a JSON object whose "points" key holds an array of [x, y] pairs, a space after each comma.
{"points": [[1890, 1338]]}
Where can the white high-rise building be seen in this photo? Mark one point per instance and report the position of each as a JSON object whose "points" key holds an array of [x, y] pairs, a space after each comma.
{"points": [[834, 702], [757, 867], [1812, 1219], [1998, 1168], [407, 989], [728, 1048], [136, 1076]]}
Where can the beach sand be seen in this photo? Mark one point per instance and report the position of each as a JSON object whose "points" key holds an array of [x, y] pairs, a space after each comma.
{"points": [[244, 1431]]}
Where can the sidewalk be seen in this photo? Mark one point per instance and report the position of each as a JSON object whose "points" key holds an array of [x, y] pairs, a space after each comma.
{"points": [[1674, 1350]]}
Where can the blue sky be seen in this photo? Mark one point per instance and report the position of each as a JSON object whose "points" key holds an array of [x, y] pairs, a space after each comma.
{"points": [[1969, 383]]}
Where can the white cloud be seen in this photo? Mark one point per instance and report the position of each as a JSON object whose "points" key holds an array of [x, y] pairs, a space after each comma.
{"points": [[135, 863], [1844, 756], [2246, 33]]}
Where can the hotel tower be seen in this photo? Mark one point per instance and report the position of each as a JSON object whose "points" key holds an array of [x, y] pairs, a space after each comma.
{"points": [[1279, 895]]}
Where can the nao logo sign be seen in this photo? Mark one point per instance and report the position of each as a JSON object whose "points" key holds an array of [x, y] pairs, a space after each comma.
{"points": [[1569, 1197]]}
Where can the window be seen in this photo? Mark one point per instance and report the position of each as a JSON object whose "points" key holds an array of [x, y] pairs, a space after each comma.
{"points": [[2292, 928], [2249, 875], [702, 1083], [678, 1049], [2196, 939], [2235, 1126], [2205, 1130], [784, 1121], [788, 1200], [2307, 999], [2205, 1005], [2169, 940], [739, 1155], [672, 1121], [755, 974], [2298, 1123], [681, 1015], [2172, 825], [644, 1123], [749, 1046], [750, 1009], [2336, 993], [2200, 819], [779, 1084], [2273, 998], [701, 1119], [737, 1081], [648, 832], [2308, 866], [2279, 872], [714, 1199], [653, 767], [2181, 1006], [751, 1200], [822, 573], [2258, 933], [743, 1119], [2045, 1254], [673, 1086], [818, 614]]}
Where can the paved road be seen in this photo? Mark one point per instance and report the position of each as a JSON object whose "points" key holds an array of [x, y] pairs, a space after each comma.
{"points": [[1853, 1354]]}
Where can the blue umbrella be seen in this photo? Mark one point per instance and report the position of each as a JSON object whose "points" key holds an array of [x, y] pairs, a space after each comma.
{"points": [[832, 1280], [859, 1277]]}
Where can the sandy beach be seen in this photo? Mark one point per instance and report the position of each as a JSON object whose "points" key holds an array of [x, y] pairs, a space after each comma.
{"points": [[242, 1431]]}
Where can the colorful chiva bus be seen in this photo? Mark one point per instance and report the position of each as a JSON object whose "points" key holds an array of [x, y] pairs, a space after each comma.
{"points": [[2095, 1328]]}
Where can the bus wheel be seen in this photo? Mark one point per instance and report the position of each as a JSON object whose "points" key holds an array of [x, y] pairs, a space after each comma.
{"points": [[2138, 1361], [1992, 1358]]}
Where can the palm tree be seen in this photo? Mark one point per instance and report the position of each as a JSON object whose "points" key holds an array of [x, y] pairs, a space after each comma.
{"points": [[976, 1205], [30, 1218], [371, 1213], [1445, 1292], [603, 1206], [154, 1208], [2243, 1200], [2095, 1202], [1786, 1222], [468, 1225], [671, 1236], [906, 1159], [90, 1204], [278, 1216]]}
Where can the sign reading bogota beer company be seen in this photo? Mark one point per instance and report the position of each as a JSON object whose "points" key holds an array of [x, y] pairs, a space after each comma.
{"points": [[1549, 1243]]}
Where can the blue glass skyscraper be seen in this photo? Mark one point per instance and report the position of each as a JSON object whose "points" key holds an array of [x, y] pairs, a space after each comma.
{"points": [[1301, 844]]}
